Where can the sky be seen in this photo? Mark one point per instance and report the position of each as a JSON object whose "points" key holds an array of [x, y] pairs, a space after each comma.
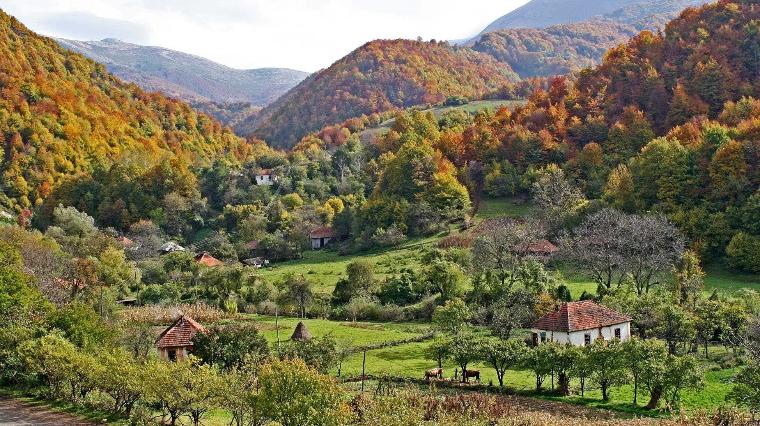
{"points": [[307, 35]]}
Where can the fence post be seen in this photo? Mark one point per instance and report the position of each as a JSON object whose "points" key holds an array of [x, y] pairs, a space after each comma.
{"points": [[364, 365]]}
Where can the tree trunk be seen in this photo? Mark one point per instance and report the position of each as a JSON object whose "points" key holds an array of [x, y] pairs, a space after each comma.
{"points": [[654, 399], [500, 376], [605, 394], [564, 384], [635, 391], [583, 387]]}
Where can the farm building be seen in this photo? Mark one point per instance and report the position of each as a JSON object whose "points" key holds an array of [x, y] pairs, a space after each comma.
{"points": [[320, 237], [170, 247], [265, 177], [208, 260], [256, 262], [542, 248], [176, 342], [581, 323], [301, 333]]}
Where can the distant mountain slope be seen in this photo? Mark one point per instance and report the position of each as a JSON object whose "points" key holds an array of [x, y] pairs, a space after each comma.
{"points": [[63, 116], [379, 76], [544, 13], [187, 77], [565, 48]]}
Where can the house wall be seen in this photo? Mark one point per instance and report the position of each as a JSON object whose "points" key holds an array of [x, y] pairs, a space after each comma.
{"points": [[264, 180], [578, 338], [182, 353], [318, 243]]}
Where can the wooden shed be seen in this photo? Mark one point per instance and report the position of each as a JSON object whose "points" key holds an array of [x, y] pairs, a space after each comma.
{"points": [[176, 342]]}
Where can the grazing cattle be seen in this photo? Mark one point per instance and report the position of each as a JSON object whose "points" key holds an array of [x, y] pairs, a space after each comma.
{"points": [[435, 373], [467, 374]]}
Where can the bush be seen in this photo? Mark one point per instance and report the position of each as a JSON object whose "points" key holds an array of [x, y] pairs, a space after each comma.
{"points": [[392, 236], [744, 252]]}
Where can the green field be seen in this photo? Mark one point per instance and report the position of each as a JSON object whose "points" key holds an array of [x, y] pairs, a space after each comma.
{"points": [[410, 360]]}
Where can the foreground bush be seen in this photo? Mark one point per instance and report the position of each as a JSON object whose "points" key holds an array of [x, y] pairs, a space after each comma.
{"points": [[293, 394]]}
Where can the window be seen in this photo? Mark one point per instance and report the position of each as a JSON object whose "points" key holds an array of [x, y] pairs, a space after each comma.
{"points": [[587, 339], [543, 337], [172, 354], [617, 333]]}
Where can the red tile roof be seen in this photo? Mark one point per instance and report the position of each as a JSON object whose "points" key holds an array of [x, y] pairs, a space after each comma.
{"points": [[180, 334], [208, 260], [323, 232], [577, 316], [542, 247]]}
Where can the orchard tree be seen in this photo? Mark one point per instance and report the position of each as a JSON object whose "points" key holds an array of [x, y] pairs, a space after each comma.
{"points": [[638, 355], [453, 318], [610, 369], [502, 355], [230, 346], [297, 289], [502, 248]]}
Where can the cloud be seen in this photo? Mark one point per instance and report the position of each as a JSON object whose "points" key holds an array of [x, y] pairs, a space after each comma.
{"points": [[300, 34], [86, 26]]}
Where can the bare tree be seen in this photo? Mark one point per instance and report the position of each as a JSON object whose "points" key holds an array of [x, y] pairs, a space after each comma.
{"points": [[611, 246], [503, 246], [653, 246], [597, 245]]}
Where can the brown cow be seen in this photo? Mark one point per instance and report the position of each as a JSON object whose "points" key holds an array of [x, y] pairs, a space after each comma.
{"points": [[471, 373], [435, 373]]}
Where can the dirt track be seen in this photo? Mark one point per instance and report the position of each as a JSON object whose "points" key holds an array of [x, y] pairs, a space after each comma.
{"points": [[14, 412]]}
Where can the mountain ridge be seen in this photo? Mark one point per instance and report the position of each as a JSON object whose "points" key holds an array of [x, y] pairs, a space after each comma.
{"points": [[187, 76]]}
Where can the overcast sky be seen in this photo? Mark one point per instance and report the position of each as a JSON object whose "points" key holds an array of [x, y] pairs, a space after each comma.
{"points": [[302, 34]]}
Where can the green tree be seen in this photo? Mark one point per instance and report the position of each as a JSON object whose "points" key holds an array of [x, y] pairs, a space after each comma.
{"points": [[82, 326], [360, 280], [446, 278], [610, 369], [293, 394], [298, 290], [638, 354], [463, 350], [502, 355], [122, 378], [746, 391], [230, 346], [184, 388], [453, 317], [744, 252], [539, 361], [676, 327]]}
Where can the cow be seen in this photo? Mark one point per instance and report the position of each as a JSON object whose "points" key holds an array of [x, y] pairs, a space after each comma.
{"points": [[467, 374], [435, 373]]}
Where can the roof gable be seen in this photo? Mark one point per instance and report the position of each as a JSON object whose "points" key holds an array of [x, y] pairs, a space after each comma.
{"points": [[180, 334], [577, 316], [324, 232]]}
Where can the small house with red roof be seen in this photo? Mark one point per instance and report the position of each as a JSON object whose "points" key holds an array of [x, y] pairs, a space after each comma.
{"points": [[176, 342], [320, 237], [208, 260], [265, 177], [581, 324]]}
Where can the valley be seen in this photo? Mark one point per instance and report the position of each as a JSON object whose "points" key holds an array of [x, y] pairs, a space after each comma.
{"points": [[555, 223]]}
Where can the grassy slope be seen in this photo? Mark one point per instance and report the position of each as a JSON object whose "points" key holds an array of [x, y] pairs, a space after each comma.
{"points": [[438, 111]]}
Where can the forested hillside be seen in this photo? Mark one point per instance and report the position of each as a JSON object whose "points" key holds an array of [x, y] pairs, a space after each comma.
{"points": [[379, 76], [566, 48], [62, 116]]}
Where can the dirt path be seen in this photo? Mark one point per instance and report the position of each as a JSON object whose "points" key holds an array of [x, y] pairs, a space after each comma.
{"points": [[16, 413]]}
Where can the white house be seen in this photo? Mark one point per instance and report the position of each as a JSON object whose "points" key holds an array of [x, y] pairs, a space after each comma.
{"points": [[581, 323], [265, 177]]}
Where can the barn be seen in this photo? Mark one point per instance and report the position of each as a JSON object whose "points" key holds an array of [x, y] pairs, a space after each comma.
{"points": [[176, 342], [581, 323]]}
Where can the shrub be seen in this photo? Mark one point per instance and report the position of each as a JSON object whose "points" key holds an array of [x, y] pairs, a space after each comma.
{"points": [[294, 394], [388, 237], [744, 252]]}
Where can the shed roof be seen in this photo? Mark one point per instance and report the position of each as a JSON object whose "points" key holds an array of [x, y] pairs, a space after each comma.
{"points": [[301, 333], [323, 232], [180, 334], [577, 316], [208, 260]]}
